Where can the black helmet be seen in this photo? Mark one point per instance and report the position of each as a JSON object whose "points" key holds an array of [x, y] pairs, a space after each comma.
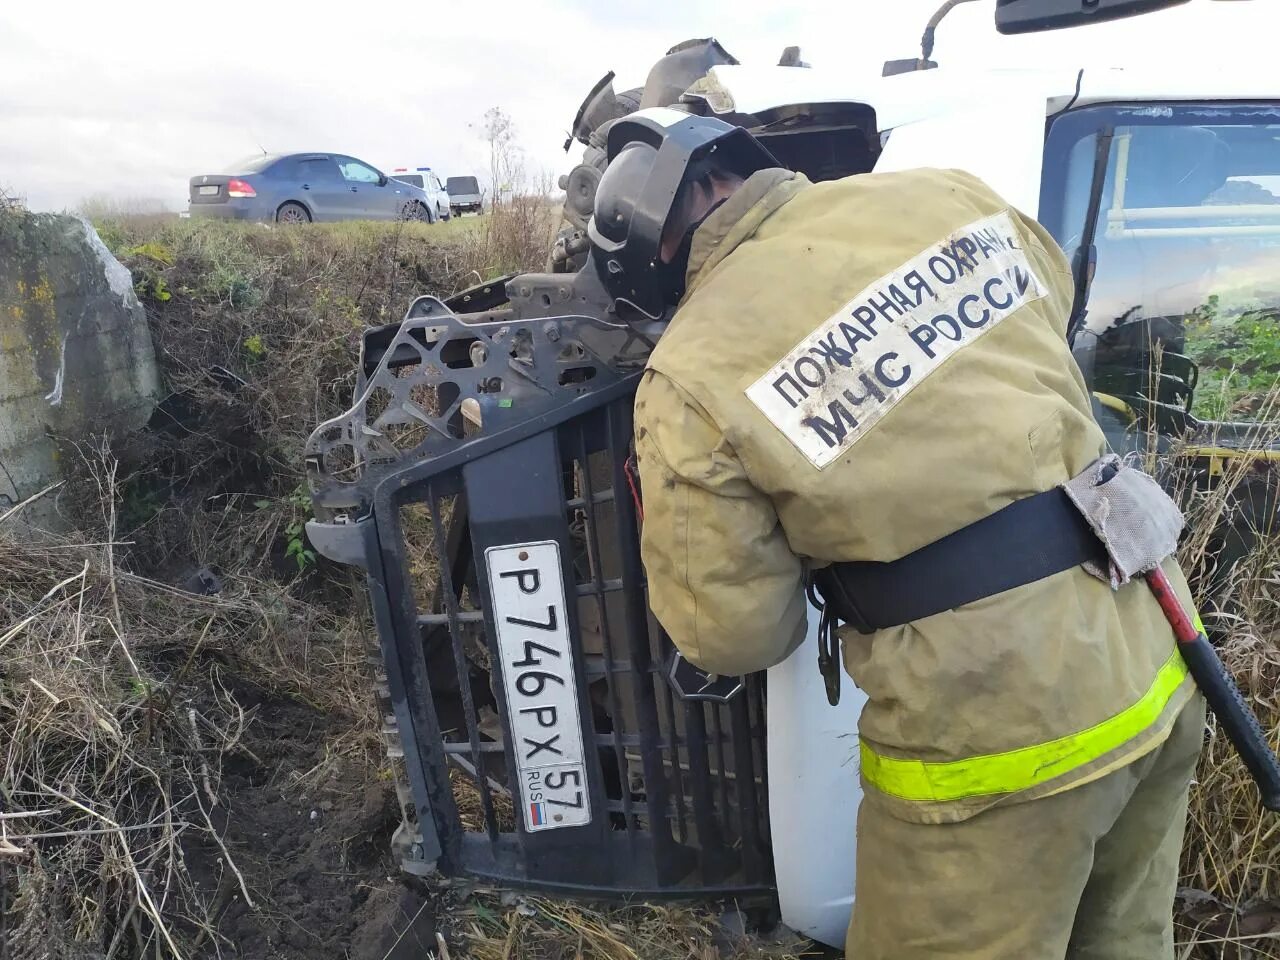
{"points": [[652, 153]]}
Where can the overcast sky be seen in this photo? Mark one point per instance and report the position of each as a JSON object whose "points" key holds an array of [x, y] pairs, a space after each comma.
{"points": [[132, 99]]}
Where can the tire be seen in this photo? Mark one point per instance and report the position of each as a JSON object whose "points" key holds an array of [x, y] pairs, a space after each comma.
{"points": [[416, 212], [454, 211], [293, 212]]}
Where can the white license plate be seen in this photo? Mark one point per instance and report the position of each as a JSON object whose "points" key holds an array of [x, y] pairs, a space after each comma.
{"points": [[207, 191], [531, 614]]}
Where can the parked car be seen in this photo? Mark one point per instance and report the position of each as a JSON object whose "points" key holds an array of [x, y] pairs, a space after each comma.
{"points": [[302, 187], [464, 195], [424, 179]]}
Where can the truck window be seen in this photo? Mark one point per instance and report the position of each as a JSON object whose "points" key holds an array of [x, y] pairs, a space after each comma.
{"points": [[1187, 237]]}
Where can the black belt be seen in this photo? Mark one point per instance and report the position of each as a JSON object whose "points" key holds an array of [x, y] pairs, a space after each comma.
{"points": [[1026, 541]]}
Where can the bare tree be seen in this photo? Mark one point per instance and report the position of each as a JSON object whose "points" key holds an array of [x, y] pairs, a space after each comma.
{"points": [[506, 159]]}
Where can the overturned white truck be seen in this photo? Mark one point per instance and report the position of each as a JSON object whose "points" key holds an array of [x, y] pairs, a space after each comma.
{"points": [[483, 477]]}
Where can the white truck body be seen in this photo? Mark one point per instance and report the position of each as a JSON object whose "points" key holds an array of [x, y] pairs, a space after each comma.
{"points": [[991, 123]]}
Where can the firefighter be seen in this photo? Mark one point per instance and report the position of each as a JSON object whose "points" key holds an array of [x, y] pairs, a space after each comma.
{"points": [[868, 380]]}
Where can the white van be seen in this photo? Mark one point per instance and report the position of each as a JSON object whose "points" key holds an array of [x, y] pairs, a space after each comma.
{"points": [[423, 177]]}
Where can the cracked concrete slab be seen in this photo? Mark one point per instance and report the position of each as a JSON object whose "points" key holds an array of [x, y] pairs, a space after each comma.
{"points": [[76, 357]]}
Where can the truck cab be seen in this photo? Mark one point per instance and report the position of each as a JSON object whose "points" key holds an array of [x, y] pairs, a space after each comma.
{"points": [[489, 445], [1185, 233]]}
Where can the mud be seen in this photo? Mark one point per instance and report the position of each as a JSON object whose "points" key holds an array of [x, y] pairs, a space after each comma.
{"points": [[308, 821]]}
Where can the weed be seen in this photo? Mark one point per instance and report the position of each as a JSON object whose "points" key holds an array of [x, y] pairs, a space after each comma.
{"points": [[254, 346], [151, 250], [122, 701], [146, 261], [297, 547], [296, 544], [139, 504]]}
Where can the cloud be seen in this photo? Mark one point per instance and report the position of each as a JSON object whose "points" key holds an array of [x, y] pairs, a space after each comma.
{"points": [[134, 100]]}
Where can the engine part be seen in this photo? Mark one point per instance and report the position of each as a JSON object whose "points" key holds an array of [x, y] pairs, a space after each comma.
{"points": [[580, 193]]}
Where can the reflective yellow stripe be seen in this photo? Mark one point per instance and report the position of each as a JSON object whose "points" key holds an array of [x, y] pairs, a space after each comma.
{"points": [[1027, 766], [1199, 624]]}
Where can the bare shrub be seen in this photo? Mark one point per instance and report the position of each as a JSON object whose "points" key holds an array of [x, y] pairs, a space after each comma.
{"points": [[514, 237]]}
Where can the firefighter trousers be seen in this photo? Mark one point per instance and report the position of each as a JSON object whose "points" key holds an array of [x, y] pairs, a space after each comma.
{"points": [[1087, 874]]}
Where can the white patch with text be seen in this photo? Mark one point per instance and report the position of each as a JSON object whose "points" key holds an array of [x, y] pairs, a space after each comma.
{"points": [[859, 363]]}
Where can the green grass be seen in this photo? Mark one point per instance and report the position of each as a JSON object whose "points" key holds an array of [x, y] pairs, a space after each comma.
{"points": [[452, 228], [122, 233], [460, 225], [1239, 359]]}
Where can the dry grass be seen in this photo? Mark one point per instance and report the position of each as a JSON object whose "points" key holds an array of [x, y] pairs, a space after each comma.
{"points": [[256, 330], [1231, 856], [119, 702], [105, 664], [498, 927], [470, 807], [515, 235], [492, 925], [122, 695]]}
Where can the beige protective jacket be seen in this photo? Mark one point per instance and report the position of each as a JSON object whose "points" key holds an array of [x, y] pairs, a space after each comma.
{"points": [[859, 368]]}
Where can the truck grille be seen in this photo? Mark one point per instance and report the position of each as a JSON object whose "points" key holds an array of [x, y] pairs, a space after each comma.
{"points": [[677, 788]]}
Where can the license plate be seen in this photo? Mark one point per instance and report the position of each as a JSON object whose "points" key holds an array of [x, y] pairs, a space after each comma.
{"points": [[530, 613], [211, 191]]}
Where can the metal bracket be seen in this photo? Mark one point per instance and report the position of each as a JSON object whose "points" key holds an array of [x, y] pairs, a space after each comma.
{"points": [[342, 540], [441, 382], [693, 683]]}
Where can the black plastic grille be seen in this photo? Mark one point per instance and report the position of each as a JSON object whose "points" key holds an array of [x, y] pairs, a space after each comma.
{"points": [[677, 787]]}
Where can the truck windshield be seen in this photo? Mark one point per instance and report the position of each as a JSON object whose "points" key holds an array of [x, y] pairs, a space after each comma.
{"points": [[1187, 245], [463, 185]]}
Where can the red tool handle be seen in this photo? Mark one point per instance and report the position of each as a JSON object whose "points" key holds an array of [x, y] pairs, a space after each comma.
{"points": [[1222, 695], [1184, 628]]}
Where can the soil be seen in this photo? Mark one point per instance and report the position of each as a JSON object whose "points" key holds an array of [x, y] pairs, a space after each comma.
{"points": [[309, 824]]}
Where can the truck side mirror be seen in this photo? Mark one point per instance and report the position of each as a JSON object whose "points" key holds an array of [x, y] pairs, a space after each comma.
{"points": [[1033, 16]]}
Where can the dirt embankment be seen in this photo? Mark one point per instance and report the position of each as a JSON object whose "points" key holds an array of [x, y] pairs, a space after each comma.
{"points": [[199, 774], [187, 726], [186, 719]]}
